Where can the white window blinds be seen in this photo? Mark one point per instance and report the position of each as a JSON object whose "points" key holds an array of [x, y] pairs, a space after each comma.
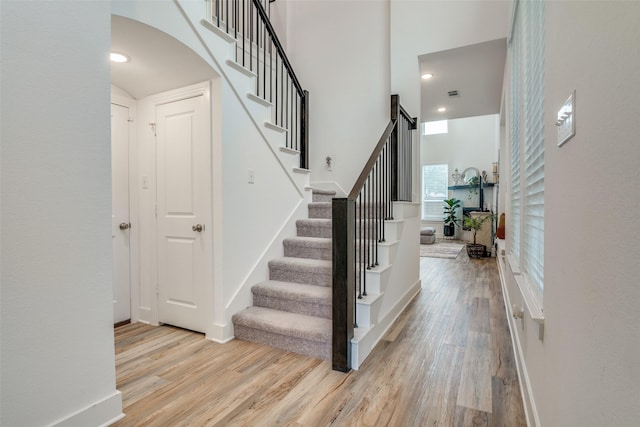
{"points": [[435, 181], [515, 143], [533, 242], [527, 140]]}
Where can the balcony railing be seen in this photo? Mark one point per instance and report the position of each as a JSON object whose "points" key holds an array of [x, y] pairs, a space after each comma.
{"points": [[259, 50]]}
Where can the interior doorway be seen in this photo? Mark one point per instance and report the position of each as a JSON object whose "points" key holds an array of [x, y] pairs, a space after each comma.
{"points": [[120, 212]]}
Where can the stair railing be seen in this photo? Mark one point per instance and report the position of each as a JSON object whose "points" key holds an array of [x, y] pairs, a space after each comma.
{"points": [[359, 224], [259, 50]]}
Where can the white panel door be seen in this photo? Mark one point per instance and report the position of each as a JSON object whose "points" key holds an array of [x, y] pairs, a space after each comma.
{"points": [[184, 212], [120, 212]]}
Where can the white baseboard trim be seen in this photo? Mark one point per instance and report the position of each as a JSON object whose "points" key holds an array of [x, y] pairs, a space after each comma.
{"points": [[220, 334], [530, 410], [102, 413]]}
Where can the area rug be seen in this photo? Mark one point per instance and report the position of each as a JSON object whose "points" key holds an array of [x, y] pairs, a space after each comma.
{"points": [[441, 250]]}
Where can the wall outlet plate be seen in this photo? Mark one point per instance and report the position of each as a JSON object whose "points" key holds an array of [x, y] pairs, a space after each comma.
{"points": [[566, 120]]}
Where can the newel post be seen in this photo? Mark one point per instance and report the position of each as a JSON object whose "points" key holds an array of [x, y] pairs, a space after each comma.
{"points": [[395, 113], [343, 214], [304, 130]]}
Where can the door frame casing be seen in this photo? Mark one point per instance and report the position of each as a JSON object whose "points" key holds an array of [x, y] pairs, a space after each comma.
{"points": [[131, 104]]}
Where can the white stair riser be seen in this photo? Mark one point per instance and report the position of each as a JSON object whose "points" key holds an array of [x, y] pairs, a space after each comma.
{"points": [[377, 279], [387, 252], [367, 310], [393, 230]]}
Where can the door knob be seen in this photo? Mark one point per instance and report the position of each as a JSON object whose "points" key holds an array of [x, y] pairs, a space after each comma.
{"points": [[124, 226], [198, 228]]}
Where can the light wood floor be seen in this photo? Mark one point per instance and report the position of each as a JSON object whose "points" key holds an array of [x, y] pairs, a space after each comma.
{"points": [[447, 361]]}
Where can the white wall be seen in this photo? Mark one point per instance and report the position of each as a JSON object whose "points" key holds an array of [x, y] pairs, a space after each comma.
{"points": [[584, 369], [470, 142], [340, 51], [58, 360], [422, 27]]}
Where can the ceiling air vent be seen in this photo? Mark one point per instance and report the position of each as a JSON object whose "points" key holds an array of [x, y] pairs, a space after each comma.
{"points": [[453, 93]]}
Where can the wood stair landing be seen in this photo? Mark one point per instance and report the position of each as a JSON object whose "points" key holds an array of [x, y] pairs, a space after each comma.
{"points": [[292, 310]]}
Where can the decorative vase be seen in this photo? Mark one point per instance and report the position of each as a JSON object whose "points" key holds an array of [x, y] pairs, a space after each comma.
{"points": [[456, 177]]}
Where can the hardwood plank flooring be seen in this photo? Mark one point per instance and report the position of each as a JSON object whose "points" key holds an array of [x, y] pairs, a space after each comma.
{"points": [[447, 361]]}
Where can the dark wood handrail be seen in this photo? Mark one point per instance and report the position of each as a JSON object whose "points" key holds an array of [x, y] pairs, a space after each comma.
{"points": [[372, 159], [412, 120], [278, 45]]}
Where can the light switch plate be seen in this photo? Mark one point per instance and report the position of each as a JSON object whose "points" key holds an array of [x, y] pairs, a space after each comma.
{"points": [[566, 121]]}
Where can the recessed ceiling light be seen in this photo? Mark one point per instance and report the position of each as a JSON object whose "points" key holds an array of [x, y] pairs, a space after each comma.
{"points": [[442, 109], [119, 57], [427, 76]]}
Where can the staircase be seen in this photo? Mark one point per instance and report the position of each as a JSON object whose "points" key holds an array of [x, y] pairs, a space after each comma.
{"points": [[292, 310]]}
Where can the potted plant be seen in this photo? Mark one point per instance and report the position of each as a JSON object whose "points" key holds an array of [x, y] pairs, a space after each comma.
{"points": [[474, 223], [450, 216], [474, 183]]}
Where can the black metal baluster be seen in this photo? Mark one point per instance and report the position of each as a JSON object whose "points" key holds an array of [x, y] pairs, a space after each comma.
{"points": [[372, 232], [368, 221], [384, 187], [382, 214], [296, 124], [367, 228], [410, 172], [355, 269], [270, 70], [257, 51], [281, 93], [378, 211], [360, 247], [264, 62], [235, 25], [244, 29]]}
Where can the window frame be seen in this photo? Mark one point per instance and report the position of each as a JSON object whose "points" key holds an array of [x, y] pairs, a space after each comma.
{"points": [[437, 201]]}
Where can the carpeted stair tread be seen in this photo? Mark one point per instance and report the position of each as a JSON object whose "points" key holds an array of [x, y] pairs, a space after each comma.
{"points": [[308, 247], [301, 270], [293, 291], [293, 297], [284, 323], [322, 195], [320, 210], [310, 242], [320, 204], [302, 264], [314, 227]]}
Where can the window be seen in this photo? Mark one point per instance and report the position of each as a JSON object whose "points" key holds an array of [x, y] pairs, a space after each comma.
{"points": [[435, 188], [435, 128], [526, 122]]}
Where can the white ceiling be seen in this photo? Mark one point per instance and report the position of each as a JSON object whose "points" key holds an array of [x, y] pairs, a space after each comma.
{"points": [[475, 71], [158, 61]]}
